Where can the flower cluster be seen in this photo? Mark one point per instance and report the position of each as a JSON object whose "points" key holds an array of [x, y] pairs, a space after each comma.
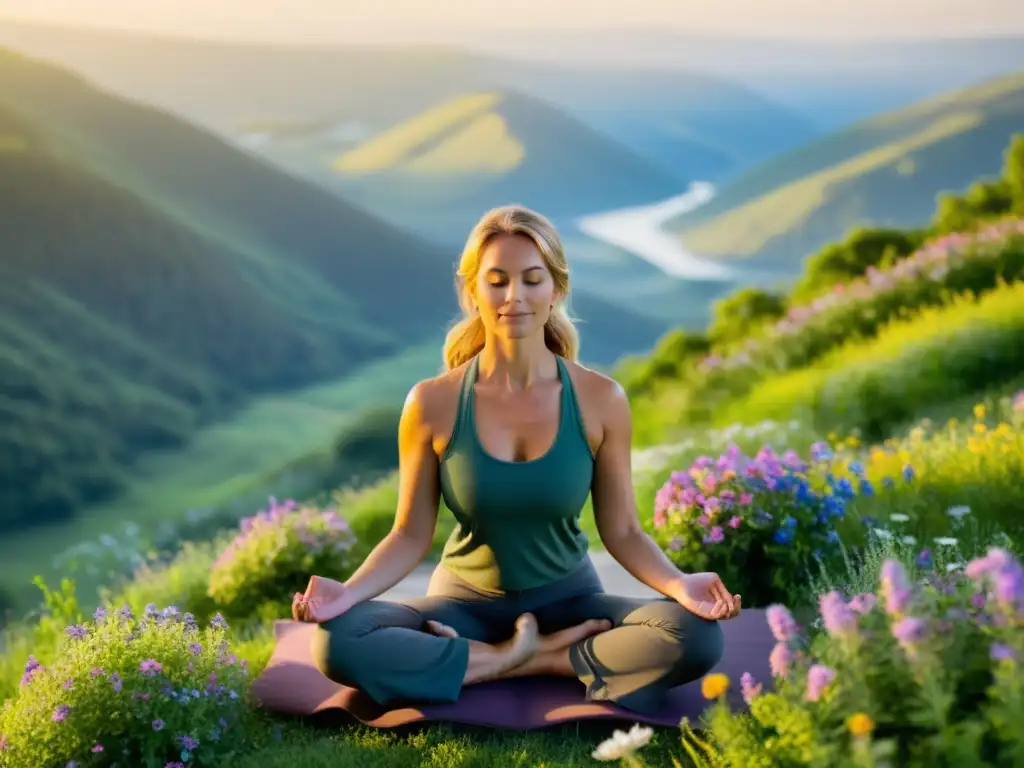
{"points": [[155, 689], [936, 262], [921, 662], [757, 521], [274, 553]]}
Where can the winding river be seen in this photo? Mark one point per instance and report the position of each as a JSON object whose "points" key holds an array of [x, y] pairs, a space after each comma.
{"points": [[640, 231]]}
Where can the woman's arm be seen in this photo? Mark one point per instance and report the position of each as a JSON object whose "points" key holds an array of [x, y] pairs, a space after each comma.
{"points": [[618, 523], [410, 537]]}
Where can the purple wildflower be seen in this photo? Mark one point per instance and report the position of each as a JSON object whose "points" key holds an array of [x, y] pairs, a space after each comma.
{"points": [[839, 618], [819, 677], [715, 535], [158, 724], [781, 660], [150, 668], [218, 622], [116, 683], [1002, 652], [188, 742], [96, 672], [749, 687], [60, 713], [862, 603], [782, 623], [77, 631], [909, 632], [895, 588], [97, 748]]}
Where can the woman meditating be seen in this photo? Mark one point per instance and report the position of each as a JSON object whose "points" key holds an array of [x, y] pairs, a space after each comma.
{"points": [[514, 436]]}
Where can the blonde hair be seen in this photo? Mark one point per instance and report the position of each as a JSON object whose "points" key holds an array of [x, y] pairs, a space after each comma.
{"points": [[466, 338]]}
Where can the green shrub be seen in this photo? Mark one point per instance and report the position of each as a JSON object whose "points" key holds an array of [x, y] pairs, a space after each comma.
{"points": [[861, 250], [759, 522], [153, 690], [938, 355], [274, 555]]}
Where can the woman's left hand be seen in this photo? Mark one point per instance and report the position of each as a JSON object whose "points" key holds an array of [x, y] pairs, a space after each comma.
{"points": [[705, 595]]}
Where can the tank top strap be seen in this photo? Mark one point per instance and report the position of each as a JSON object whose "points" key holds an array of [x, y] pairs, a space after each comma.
{"points": [[572, 416], [464, 414]]}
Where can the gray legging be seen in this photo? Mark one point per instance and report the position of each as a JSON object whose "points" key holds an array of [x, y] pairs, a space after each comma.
{"points": [[381, 647]]}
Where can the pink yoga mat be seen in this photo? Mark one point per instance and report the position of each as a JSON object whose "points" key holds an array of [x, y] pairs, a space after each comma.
{"points": [[292, 685]]}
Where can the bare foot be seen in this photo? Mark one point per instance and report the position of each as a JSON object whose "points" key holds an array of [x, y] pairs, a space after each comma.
{"points": [[489, 662]]}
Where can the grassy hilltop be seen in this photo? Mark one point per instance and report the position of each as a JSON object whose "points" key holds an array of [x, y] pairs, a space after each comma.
{"points": [[884, 171]]}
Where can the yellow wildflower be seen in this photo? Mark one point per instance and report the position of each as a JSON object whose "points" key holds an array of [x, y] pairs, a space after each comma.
{"points": [[860, 724], [979, 411], [979, 428], [714, 685]]}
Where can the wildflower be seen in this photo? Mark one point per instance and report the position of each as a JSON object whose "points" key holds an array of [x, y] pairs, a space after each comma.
{"points": [[909, 632], [60, 713], [158, 724], [781, 660], [819, 677], [188, 742], [860, 725], [622, 744], [958, 513], [946, 541], [97, 748], [1002, 652], [862, 603], [150, 668], [924, 559], [715, 685], [749, 687], [715, 535], [782, 623], [77, 631], [837, 615], [899, 517], [895, 587]]}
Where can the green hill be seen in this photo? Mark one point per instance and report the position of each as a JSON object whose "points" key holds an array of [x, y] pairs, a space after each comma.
{"points": [[886, 171], [153, 279], [688, 123]]}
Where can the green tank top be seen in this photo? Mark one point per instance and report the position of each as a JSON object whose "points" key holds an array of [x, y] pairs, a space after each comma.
{"points": [[517, 522]]}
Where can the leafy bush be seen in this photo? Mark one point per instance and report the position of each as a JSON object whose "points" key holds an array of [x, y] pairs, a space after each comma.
{"points": [[860, 251], [919, 672], [758, 522], [936, 356], [274, 554], [153, 690]]}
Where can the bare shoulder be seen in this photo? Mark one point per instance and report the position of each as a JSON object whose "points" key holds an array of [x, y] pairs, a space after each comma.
{"points": [[602, 400], [599, 389], [432, 404]]}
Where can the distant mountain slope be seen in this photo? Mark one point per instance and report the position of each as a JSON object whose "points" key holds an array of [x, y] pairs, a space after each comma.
{"points": [[152, 277], [883, 171], [489, 148], [692, 125]]}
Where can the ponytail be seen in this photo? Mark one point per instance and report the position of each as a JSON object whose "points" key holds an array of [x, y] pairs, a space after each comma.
{"points": [[464, 341]]}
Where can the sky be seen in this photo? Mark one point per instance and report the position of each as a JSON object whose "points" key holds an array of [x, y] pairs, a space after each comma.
{"points": [[455, 21]]}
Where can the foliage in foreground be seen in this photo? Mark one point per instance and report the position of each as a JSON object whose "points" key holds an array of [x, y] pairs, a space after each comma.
{"points": [[924, 671], [153, 690]]}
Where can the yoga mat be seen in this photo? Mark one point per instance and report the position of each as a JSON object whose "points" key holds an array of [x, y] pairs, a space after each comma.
{"points": [[292, 685]]}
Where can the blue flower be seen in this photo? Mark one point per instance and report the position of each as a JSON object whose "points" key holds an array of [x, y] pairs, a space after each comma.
{"points": [[867, 489], [857, 468], [888, 482], [908, 473], [783, 536]]}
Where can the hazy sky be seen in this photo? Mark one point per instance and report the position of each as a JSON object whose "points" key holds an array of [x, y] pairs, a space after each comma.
{"points": [[452, 20]]}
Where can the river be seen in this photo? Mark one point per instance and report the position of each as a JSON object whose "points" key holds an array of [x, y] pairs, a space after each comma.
{"points": [[640, 231]]}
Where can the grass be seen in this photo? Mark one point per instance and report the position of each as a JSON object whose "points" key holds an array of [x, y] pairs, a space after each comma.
{"points": [[744, 231], [939, 354], [485, 145]]}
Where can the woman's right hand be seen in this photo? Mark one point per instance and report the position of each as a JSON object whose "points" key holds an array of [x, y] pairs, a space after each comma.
{"points": [[324, 599]]}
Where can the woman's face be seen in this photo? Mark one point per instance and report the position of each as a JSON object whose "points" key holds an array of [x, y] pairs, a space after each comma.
{"points": [[514, 289]]}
